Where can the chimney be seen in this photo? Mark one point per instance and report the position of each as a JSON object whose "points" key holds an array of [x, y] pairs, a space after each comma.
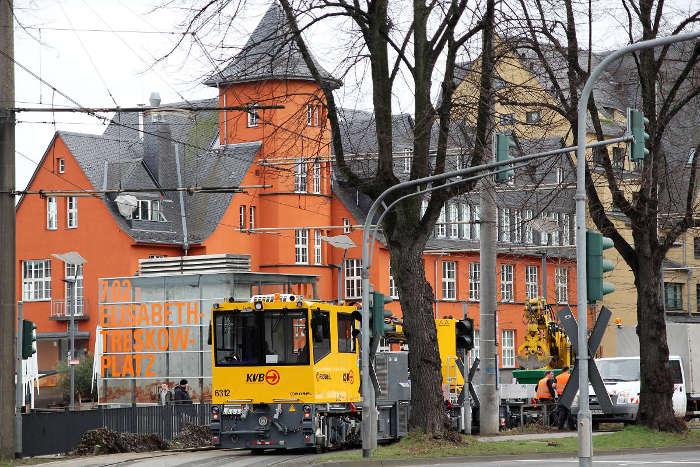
{"points": [[156, 138]]}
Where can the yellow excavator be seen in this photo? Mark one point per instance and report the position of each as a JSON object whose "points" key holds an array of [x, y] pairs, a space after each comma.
{"points": [[545, 344]]}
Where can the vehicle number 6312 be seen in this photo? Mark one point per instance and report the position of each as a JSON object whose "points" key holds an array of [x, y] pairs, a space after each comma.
{"points": [[222, 392]]}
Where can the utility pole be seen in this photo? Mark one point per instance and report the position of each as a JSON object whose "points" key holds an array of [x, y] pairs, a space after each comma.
{"points": [[7, 232]]}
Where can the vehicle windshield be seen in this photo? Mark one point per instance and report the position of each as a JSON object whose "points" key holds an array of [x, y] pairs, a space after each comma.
{"points": [[624, 369], [254, 338]]}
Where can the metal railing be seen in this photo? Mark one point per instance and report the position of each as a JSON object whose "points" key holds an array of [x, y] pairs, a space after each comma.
{"points": [[62, 309]]}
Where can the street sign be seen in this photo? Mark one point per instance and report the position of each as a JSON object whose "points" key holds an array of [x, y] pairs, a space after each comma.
{"points": [[570, 326]]}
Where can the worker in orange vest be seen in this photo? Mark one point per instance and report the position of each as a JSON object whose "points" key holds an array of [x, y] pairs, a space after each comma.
{"points": [[546, 388], [564, 413]]}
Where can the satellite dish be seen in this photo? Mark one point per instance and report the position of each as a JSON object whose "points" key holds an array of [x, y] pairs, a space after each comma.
{"points": [[126, 204]]}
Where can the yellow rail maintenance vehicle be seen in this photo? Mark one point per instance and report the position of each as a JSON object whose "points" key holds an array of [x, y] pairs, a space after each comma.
{"points": [[285, 374]]}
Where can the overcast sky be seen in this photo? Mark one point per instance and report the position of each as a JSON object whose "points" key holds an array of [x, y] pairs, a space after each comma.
{"points": [[101, 53]]}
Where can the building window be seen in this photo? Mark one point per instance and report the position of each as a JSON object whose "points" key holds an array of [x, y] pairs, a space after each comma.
{"points": [[449, 280], [36, 280], [149, 210], [353, 278], [454, 220], [555, 233], [301, 246], [475, 222], [504, 225], [61, 165], [475, 350], [300, 176], [618, 161], [407, 159], [697, 298], [312, 115], [533, 117], [465, 226], [507, 119], [316, 177], [517, 226], [346, 225], [499, 83], [253, 117], [560, 175], [508, 348], [51, 213], [566, 229], [393, 290], [241, 217], [528, 226], [561, 285], [72, 212], [674, 296], [441, 226], [531, 283], [423, 207], [251, 218], [318, 257], [74, 290], [696, 247], [507, 283], [474, 281]]}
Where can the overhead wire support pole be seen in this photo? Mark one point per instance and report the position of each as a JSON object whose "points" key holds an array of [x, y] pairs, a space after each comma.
{"points": [[584, 414], [165, 108]]}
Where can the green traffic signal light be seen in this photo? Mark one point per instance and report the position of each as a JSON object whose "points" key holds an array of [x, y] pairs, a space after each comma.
{"points": [[596, 266], [28, 339], [379, 327], [502, 144], [635, 126], [464, 333]]}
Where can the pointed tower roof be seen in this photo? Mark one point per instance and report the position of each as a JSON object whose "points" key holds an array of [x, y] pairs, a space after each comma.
{"points": [[271, 53]]}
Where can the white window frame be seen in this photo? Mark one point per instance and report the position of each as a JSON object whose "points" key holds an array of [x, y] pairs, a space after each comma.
{"points": [[241, 217], [61, 162], [72, 212], [318, 247], [507, 274], [393, 290], [300, 176], [531, 282], [312, 115], [533, 116], [316, 177], [560, 175], [353, 278], [449, 280], [51, 213], [346, 225], [253, 116], [504, 225], [527, 216], [251, 218], [474, 354], [36, 280], [407, 159], [518, 226], [561, 285], [149, 210], [76, 287], [508, 348], [441, 228], [476, 217], [465, 227], [566, 229], [454, 220], [301, 246], [474, 281], [544, 236]]}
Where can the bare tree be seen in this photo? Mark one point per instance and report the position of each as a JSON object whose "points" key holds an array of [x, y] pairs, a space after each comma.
{"points": [[667, 93]]}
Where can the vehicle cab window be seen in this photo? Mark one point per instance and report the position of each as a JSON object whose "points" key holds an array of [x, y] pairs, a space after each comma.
{"points": [[321, 329], [346, 341]]}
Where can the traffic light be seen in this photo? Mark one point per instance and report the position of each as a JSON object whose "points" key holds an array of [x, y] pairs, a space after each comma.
{"points": [[635, 126], [596, 266], [502, 144], [379, 327], [28, 339], [464, 330]]}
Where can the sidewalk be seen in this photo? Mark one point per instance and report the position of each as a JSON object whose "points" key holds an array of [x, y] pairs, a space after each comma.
{"points": [[535, 436]]}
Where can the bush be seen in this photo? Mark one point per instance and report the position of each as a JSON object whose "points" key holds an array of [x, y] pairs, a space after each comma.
{"points": [[83, 379]]}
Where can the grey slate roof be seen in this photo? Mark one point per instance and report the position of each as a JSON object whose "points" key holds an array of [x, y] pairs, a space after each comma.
{"points": [[118, 159], [270, 53]]}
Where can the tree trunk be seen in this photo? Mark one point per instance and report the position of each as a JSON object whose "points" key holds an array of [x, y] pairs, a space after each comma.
{"points": [[656, 391], [421, 335]]}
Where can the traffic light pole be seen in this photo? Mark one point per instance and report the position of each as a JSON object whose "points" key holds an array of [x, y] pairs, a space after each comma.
{"points": [[584, 414], [19, 388]]}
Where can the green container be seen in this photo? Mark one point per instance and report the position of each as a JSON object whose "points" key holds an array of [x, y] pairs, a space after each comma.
{"points": [[532, 376]]}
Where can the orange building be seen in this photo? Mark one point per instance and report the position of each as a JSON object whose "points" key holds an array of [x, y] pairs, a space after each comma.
{"points": [[286, 201]]}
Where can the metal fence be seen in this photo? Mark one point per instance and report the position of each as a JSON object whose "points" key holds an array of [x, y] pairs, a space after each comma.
{"points": [[59, 432]]}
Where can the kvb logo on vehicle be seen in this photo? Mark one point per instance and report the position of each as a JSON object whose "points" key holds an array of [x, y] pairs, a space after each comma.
{"points": [[272, 377]]}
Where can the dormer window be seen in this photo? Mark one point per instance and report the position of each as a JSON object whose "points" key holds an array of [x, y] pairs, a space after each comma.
{"points": [[149, 210], [533, 117], [253, 117], [312, 115], [61, 162]]}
